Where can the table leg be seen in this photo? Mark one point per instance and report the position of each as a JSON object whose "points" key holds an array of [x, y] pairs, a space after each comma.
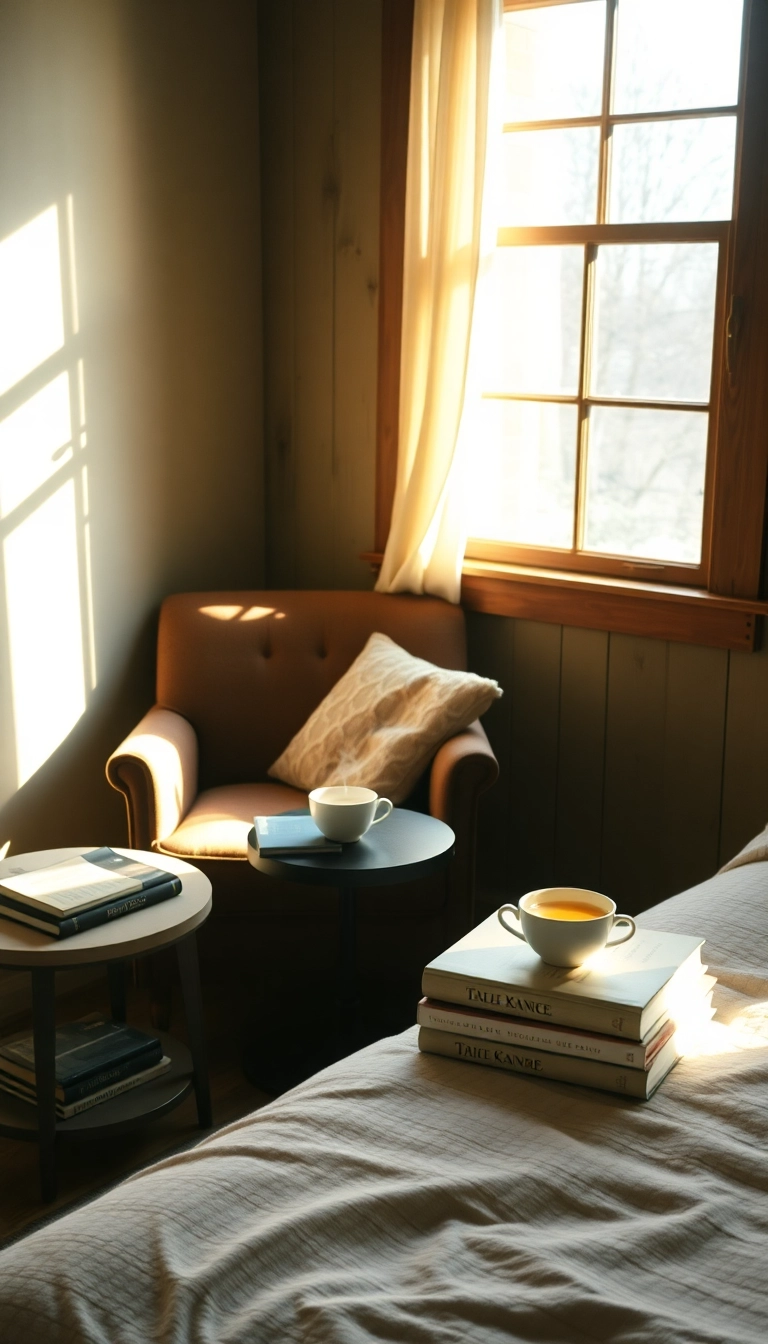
{"points": [[349, 1003], [116, 977], [189, 972], [288, 1067], [44, 1030]]}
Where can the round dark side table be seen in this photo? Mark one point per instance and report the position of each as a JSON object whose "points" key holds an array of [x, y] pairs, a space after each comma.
{"points": [[406, 845]]}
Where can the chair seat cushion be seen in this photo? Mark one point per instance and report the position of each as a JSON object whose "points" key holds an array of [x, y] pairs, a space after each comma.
{"points": [[218, 822], [382, 722]]}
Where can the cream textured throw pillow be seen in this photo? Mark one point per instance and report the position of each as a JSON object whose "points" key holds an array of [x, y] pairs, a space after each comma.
{"points": [[380, 725]]}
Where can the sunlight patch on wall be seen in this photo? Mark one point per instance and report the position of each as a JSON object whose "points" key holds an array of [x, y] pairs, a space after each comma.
{"points": [[42, 583], [32, 325], [44, 521], [34, 443]]}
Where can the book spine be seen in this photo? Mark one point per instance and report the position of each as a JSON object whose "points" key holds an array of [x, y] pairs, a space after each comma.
{"points": [[536, 1063], [24, 1070], [559, 1040], [90, 1082], [107, 1093], [104, 914], [107, 1077], [606, 1019], [64, 1111]]}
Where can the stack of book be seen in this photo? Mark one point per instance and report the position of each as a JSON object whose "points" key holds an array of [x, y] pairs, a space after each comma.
{"points": [[611, 1024], [95, 1060], [82, 893]]}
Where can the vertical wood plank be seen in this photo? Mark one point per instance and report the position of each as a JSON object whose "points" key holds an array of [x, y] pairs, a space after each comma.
{"points": [[535, 693], [397, 42], [634, 766], [490, 642], [689, 824], [745, 772], [357, 101], [581, 759], [276, 113], [316, 190]]}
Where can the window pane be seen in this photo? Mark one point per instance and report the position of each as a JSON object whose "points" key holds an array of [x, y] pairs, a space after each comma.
{"points": [[550, 177], [554, 61], [533, 330], [654, 320], [672, 170], [522, 473], [645, 483], [672, 54]]}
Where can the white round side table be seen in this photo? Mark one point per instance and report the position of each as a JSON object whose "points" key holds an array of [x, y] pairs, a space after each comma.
{"points": [[172, 922]]}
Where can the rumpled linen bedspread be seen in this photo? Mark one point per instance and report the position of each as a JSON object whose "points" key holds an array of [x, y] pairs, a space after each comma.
{"points": [[398, 1197]]}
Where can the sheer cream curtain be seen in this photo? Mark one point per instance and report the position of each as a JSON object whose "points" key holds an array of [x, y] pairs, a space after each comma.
{"points": [[454, 108]]}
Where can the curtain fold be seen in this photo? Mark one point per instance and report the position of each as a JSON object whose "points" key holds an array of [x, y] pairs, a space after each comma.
{"points": [[455, 100]]}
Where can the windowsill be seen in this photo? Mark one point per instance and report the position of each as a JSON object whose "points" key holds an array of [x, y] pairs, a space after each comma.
{"points": [[688, 615]]}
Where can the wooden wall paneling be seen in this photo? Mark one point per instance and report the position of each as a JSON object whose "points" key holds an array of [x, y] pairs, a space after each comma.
{"points": [[581, 758], [316, 194], [396, 45], [490, 641], [745, 764], [689, 818], [276, 113], [634, 765], [357, 101], [535, 693]]}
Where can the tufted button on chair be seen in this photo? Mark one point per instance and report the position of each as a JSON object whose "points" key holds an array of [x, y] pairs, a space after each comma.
{"points": [[238, 673]]}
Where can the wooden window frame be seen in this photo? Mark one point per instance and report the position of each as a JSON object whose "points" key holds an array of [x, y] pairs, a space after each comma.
{"points": [[721, 605]]}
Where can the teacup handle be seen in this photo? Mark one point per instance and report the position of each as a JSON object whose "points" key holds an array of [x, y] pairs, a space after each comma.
{"points": [[384, 814], [621, 919], [513, 908]]}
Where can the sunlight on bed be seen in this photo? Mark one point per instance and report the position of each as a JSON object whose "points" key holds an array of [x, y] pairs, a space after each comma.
{"points": [[748, 1031]]}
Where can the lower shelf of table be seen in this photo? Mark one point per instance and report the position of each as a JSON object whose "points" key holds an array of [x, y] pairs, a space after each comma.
{"points": [[18, 1119]]}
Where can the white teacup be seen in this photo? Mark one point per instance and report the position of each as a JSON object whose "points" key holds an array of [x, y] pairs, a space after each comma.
{"points": [[344, 812], [565, 925]]}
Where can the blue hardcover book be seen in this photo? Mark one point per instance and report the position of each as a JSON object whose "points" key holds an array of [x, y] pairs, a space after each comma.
{"points": [[76, 1091], [95, 915], [290, 833], [85, 1050], [74, 885]]}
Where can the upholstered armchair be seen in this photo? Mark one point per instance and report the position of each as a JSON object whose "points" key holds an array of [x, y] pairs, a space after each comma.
{"points": [[238, 673]]}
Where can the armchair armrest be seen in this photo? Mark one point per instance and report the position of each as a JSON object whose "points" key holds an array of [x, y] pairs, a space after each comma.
{"points": [[155, 768], [463, 768]]}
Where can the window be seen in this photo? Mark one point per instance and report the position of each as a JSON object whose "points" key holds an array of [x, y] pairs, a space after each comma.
{"points": [[620, 474]]}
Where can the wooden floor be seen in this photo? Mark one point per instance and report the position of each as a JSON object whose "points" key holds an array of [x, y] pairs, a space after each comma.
{"points": [[86, 1167]]}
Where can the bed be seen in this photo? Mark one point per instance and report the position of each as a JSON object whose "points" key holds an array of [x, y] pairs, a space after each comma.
{"points": [[400, 1197]]}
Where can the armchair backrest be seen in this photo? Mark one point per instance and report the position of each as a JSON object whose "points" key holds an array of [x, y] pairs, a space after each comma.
{"points": [[247, 668]]}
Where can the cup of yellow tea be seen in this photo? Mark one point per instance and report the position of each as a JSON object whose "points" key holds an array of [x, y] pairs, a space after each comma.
{"points": [[565, 925]]}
